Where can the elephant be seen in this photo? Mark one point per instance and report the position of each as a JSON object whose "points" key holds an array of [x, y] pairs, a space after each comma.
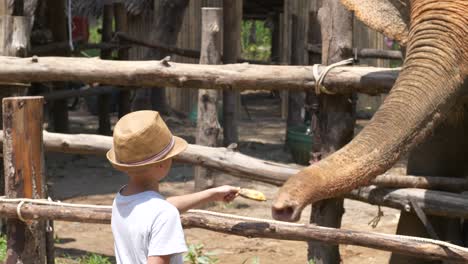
{"points": [[425, 113]]}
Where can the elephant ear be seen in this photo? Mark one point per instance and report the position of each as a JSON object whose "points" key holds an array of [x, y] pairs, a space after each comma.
{"points": [[390, 17]]}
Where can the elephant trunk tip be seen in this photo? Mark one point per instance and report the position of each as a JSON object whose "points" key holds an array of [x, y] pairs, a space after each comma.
{"points": [[285, 210]]}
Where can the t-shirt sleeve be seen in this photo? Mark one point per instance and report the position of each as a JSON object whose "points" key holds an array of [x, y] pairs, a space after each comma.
{"points": [[167, 235]]}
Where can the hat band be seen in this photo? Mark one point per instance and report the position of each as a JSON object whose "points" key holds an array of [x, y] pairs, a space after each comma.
{"points": [[158, 156]]}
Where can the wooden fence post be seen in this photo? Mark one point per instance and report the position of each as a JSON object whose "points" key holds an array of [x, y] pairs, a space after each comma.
{"points": [[24, 174], [104, 100], [57, 23], [207, 122], [121, 25], [336, 119], [232, 18]]}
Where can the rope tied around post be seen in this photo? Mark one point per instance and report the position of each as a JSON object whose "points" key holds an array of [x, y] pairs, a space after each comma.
{"points": [[319, 77]]}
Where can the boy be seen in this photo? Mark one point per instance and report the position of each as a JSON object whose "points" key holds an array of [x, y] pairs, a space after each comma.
{"points": [[146, 227]]}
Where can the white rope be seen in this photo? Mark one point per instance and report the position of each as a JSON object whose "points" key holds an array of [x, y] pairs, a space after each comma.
{"points": [[18, 211], [21, 202], [50, 202], [320, 77]]}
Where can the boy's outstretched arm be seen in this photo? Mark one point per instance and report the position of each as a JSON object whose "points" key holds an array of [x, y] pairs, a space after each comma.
{"points": [[224, 193]]}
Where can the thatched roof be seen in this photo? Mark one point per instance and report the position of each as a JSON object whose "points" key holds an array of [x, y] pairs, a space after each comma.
{"points": [[94, 7]]}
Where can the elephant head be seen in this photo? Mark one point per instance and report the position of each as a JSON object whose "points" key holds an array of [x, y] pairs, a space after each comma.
{"points": [[430, 83]]}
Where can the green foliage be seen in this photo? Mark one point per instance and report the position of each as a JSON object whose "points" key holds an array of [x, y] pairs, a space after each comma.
{"points": [[3, 248], [255, 46], [94, 259], [196, 255], [311, 261]]}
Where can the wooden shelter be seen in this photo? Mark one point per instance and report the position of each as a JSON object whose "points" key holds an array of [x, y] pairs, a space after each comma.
{"points": [[291, 17]]}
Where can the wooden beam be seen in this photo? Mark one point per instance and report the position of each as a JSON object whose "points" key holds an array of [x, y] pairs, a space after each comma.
{"points": [[370, 80], [262, 228], [431, 202], [82, 92], [121, 24], [336, 120], [57, 22], [78, 46], [104, 100], [125, 38], [189, 53], [363, 53], [23, 158], [208, 127], [232, 17]]}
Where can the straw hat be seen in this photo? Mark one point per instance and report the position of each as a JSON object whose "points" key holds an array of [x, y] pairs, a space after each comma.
{"points": [[142, 139]]}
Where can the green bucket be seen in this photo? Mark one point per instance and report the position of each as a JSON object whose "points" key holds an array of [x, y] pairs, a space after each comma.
{"points": [[299, 144]]}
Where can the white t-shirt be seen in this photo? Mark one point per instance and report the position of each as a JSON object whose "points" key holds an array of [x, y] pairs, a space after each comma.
{"points": [[144, 225]]}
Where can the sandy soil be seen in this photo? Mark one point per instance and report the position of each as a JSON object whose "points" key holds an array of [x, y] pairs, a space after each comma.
{"points": [[88, 179]]}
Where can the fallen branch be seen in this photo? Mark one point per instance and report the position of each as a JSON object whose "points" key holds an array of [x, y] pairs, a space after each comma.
{"points": [[252, 227], [368, 80]]}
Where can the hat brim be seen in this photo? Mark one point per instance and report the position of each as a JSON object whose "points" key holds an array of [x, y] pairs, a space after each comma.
{"points": [[179, 146]]}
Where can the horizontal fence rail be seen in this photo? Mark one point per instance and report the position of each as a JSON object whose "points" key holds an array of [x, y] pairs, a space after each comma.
{"points": [[237, 164], [247, 227], [344, 80]]}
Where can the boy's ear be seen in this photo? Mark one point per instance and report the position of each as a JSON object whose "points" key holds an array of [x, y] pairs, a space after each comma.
{"points": [[390, 17]]}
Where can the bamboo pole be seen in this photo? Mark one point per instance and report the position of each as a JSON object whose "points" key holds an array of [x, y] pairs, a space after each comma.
{"points": [[370, 80], [251, 227], [208, 127], [24, 176]]}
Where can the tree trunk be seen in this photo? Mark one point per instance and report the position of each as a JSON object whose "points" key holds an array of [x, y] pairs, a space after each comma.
{"points": [[168, 17], [207, 122], [231, 50], [24, 175], [444, 153], [336, 119]]}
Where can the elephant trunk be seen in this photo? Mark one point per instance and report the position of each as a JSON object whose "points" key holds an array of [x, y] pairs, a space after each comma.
{"points": [[428, 85]]}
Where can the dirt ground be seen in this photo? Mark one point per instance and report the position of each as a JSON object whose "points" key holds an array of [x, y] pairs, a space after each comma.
{"points": [[89, 179]]}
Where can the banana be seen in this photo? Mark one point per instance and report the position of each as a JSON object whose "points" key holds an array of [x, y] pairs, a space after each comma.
{"points": [[252, 194]]}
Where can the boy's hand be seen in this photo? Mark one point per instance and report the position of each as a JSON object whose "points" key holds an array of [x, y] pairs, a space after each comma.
{"points": [[224, 193]]}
